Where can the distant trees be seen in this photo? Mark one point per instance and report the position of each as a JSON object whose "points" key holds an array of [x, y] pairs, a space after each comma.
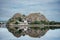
{"points": [[53, 23]]}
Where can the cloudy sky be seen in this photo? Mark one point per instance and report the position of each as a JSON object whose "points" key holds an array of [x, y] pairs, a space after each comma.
{"points": [[49, 8]]}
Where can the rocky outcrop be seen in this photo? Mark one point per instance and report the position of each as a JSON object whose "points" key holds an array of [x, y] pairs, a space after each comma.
{"points": [[30, 18], [15, 17], [36, 17]]}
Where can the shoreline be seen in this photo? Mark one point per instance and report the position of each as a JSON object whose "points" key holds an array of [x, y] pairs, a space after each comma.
{"points": [[30, 25]]}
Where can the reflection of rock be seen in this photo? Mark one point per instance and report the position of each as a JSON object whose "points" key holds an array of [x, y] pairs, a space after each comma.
{"points": [[14, 31], [36, 33], [31, 32]]}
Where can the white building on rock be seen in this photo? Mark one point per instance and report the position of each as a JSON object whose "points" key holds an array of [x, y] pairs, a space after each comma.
{"points": [[23, 23]]}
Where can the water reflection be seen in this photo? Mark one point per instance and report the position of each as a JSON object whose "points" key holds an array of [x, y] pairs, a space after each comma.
{"points": [[35, 32]]}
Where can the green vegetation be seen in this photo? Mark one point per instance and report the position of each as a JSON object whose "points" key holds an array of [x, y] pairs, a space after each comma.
{"points": [[51, 23], [39, 22], [24, 15], [16, 27], [54, 23], [36, 28], [15, 20], [16, 23], [46, 23], [19, 19], [35, 22], [18, 32]]}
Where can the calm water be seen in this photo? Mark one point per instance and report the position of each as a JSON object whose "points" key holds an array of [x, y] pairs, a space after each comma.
{"points": [[31, 34]]}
